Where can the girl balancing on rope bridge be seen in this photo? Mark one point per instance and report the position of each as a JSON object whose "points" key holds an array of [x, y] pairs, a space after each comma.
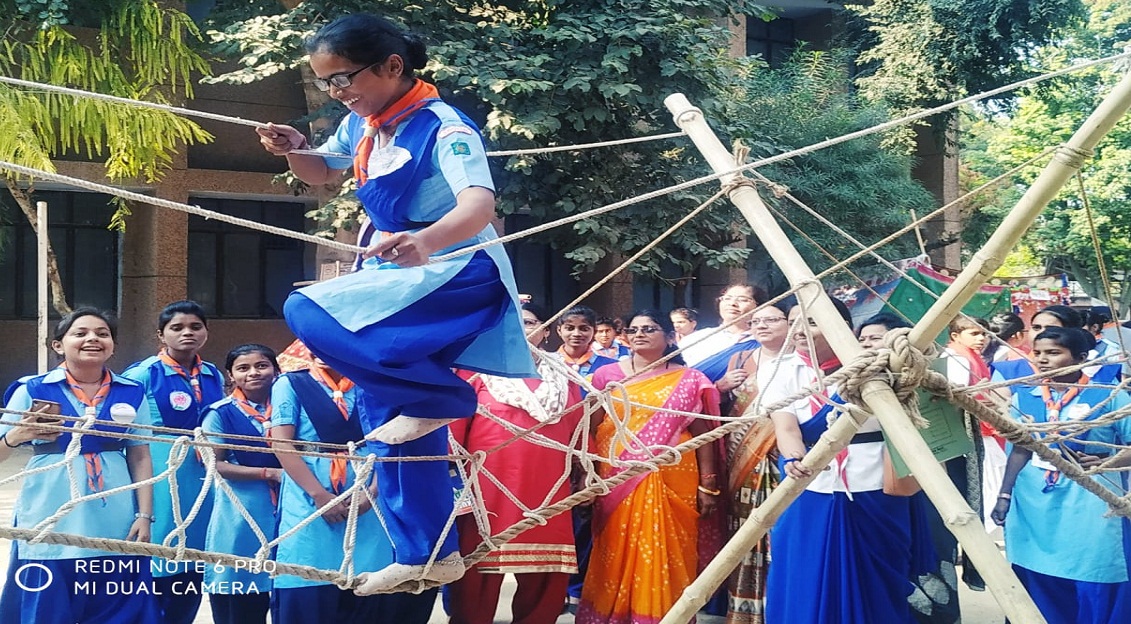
{"points": [[399, 325], [59, 584]]}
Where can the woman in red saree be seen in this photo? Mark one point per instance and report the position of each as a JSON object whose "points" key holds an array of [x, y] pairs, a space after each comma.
{"points": [[652, 532]]}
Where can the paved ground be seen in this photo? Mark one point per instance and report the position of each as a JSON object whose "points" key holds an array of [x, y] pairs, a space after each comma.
{"points": [[977, 607]]}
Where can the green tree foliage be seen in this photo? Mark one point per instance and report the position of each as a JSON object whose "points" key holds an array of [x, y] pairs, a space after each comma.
{"points": [[560, 73], [1045, 117], [130, 48], [921, 53]]}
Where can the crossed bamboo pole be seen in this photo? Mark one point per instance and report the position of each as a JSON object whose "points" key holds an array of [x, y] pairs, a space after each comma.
{"points": [[877, 395]]}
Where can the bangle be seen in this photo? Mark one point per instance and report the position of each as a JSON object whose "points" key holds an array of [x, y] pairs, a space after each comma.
{"points": [[710, 492], [1004, 496], [9, 444], [143, 516]]}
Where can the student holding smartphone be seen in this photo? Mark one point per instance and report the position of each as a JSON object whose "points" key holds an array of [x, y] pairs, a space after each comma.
{"points": [[59, 583]]}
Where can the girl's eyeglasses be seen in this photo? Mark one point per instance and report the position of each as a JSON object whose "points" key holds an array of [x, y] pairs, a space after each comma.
{"points": [[341, 81], [648, 329]]}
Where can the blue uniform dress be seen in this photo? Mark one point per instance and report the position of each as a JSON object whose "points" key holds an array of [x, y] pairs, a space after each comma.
{"points": [[79, 584], [844, 552], [1070, 555], [228, 531], [173, 403], [397, 332]]}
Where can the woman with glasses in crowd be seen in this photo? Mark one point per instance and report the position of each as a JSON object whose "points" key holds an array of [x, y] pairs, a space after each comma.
{"points": [[652, 521], [710, 350], [752, 473]]}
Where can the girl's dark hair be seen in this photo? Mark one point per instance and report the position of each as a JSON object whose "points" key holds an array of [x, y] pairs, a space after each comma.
{"points": [[841, 308], [181, 307], [606, 320], [665, 323], [1005, 326], [538, 311], [584, 312], [1076, 340], [889, 321], [690, 314], [367, 40], [1069, 317], [67, 321], [245, 349]]}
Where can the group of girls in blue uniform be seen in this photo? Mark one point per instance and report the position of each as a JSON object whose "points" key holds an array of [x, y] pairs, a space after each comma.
{"points": [[277, 491]]}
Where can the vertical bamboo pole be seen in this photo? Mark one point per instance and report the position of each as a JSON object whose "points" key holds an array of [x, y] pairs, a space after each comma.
{"points": [[1065, 163], [878, 396], [41, 284]]}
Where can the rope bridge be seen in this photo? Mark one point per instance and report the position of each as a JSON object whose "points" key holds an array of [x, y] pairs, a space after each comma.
{"points": [[900, 366]]}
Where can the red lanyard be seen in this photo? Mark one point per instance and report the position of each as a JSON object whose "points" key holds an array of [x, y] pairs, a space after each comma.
{"points": [[192, 376], [338, 389]]}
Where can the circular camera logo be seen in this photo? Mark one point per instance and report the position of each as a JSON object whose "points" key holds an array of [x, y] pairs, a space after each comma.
{"points": [[43, 579]]}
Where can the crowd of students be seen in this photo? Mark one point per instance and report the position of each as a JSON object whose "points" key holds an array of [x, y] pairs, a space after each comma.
{"points": [[855, 547]]}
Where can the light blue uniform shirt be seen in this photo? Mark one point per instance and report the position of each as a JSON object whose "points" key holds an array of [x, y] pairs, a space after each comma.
{"points": [[44, 493]]}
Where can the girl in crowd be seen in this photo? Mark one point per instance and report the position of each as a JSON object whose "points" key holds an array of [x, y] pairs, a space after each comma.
{"points": [[318, 404], [735, 303], [656, 516], [180, 386], [1055, 316], [843, 551], [605, 342], [399, 325], [1066, 547], [684, 320], [752, 472], [542, 558], [243, 596], [1011, 339], [44, 579], [576, 329]]}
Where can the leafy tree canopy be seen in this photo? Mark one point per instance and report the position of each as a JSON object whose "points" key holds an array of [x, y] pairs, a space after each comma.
{"points": [[1046, 117], [560, 73]]}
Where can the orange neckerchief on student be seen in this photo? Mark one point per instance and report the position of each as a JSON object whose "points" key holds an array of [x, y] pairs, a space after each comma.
{"points": [[94, 479], [338, 392], [191, 376], [417, 98], [575, 364], [248, 408], [1052, 414]]}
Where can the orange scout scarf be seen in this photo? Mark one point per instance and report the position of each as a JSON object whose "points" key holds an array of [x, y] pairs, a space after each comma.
{"points": [[94, 479], [264, 419], [338, 392], [417, 98]]}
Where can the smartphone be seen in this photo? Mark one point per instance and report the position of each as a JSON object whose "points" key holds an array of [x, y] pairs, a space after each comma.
{"points": [[48, 409]]}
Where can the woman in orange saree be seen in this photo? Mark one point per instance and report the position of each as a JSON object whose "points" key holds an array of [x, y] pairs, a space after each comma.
{"points": [[651, 533]]}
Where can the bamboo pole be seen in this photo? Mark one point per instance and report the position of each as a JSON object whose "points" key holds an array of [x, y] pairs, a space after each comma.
{"points": [[41, 232], [878, 396], [1065, 163]]}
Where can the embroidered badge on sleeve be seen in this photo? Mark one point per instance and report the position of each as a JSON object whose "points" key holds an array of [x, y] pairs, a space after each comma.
{"points": [[459, 148]]}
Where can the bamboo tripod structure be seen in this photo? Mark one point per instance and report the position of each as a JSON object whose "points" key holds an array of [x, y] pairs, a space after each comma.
{"points": [[879, 398]]}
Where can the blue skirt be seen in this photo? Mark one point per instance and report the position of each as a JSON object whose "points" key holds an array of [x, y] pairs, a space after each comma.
{"points": [[841, 561], [1065, 601]]}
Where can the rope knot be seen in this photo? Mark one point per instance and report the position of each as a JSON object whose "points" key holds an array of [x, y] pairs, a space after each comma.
{"points": [[899, 364]]}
